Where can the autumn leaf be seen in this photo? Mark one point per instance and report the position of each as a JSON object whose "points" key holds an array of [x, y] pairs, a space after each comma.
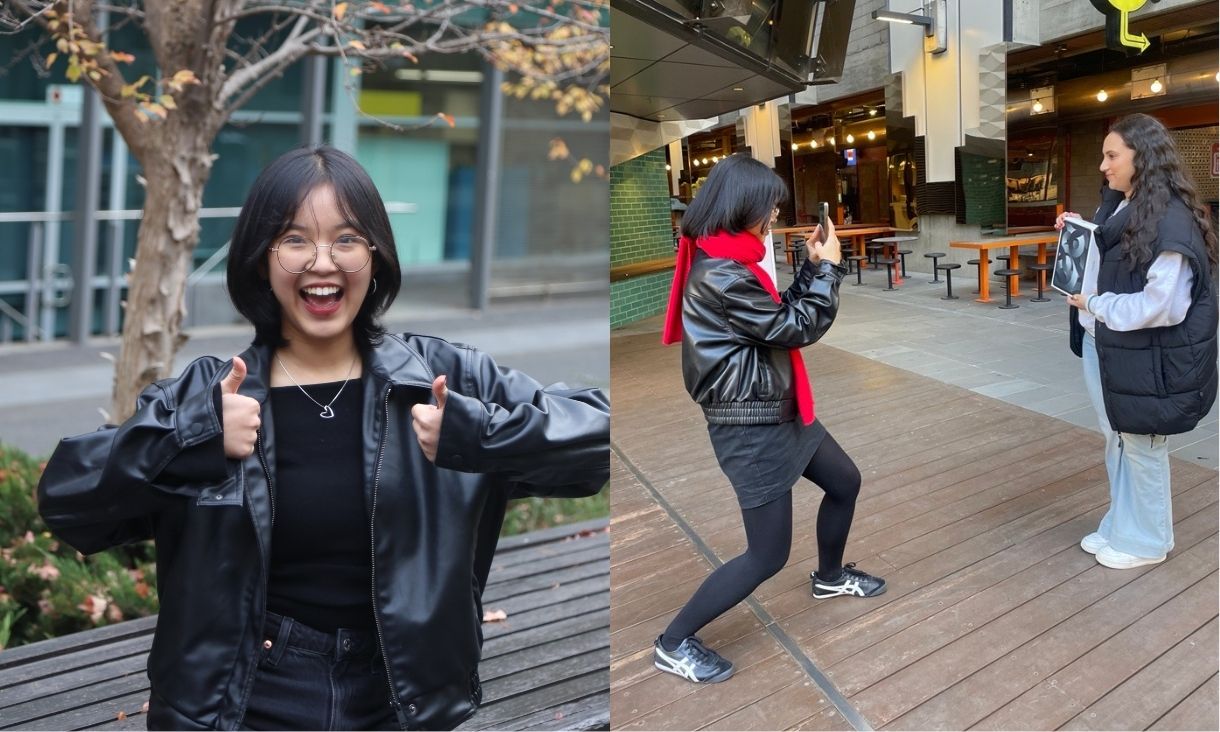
{"points": [[167, 101], [494, 616], [74, 70], [121, 716], [559, 150], [449, 120], [379, 7], [340, 10], [51, 59], [144, 708], [123, 58], [355, 43]]}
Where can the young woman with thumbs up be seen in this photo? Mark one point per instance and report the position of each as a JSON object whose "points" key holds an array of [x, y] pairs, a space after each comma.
{"points": [[326, 504]]}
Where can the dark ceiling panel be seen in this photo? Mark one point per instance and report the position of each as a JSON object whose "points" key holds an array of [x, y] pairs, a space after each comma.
{"points": [[625, 68], [690, 81], [696, 55], [633, 38]]}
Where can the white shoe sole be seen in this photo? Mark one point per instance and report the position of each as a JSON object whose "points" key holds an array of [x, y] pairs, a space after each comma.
{"points": [[1105, 561], [722, 676]]}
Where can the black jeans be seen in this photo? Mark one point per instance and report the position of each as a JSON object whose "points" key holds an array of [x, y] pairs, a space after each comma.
{"points": [[308, 679]]}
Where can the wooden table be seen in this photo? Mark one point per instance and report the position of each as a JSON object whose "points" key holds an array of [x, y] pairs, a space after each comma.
{"points": [[1013, 246]]}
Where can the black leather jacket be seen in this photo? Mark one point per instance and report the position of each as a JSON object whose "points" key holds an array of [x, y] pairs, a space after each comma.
{"points": [[162, 475], [736, 337]]}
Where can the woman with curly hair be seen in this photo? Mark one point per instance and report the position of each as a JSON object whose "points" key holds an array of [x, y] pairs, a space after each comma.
{"points": [[1145, 326]]}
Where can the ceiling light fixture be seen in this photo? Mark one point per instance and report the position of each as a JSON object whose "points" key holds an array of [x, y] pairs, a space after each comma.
{"points": [[1156, 86], [850, 138], [813, 144], [872, 135], [795, 146], [1102, 96], [872, 112]]}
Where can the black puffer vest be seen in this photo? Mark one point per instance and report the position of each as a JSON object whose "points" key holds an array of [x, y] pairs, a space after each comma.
{"points": [[1157, 381]]}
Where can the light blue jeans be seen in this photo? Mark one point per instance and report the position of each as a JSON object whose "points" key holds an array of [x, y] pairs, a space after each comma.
{"points": [[1140, 518]]}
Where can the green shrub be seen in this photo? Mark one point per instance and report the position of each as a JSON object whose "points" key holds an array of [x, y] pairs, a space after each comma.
{"points": [[530, 514], [46, 587]]}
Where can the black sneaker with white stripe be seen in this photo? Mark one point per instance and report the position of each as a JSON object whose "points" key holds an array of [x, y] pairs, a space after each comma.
{"points": [[692, 661], [850, 581]]}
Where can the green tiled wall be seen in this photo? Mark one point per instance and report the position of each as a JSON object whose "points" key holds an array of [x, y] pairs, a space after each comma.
{"points": [[639, 297], [639, 231]]}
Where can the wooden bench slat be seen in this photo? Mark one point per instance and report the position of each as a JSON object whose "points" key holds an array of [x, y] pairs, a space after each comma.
{"points": [[493, 716], [545, 564], [75, 708], [511, 544], [581, 615], [81, 678], [531, 617], [536, 657], [16, 677], [586, 713], [75, 641]]}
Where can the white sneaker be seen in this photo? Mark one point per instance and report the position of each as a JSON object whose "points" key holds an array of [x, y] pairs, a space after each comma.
{"points": [[1093, 543], [1108, 556]]}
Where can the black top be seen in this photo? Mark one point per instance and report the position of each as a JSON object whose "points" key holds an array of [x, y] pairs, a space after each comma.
{"points": [[320, 553]]}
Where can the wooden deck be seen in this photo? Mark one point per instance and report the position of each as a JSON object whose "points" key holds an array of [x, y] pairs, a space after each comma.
{"points": [[543, 668], [971, 508]]}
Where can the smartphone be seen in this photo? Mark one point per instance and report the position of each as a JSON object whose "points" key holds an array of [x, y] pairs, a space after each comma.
{"points": [[823, 218]]}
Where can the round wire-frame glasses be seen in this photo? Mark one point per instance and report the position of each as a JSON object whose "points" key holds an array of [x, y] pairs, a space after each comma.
{"points": [[296, 254]]}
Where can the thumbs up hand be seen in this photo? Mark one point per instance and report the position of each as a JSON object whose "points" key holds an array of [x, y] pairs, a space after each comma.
{"points": [[428, 419], [240, 414]]}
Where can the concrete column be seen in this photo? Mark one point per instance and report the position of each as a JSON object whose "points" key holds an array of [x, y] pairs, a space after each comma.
{"points": [[487, 185]]}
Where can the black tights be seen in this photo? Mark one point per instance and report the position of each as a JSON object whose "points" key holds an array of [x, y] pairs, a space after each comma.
{"points": [[769, 539]]}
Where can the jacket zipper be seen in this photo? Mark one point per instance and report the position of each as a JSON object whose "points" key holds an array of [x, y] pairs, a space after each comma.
{"points": [[262, 459], [385, 659]]}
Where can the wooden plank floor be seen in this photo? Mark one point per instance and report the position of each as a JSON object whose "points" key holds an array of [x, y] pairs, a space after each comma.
{"points": [[971, 509], [544, 668]]}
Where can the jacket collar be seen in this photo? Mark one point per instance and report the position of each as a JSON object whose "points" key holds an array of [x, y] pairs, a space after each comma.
{"points": [[1110, 231], [393, 361]]}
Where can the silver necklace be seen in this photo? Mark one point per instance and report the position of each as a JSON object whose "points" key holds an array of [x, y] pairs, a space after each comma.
{"points": [[327, 412]]}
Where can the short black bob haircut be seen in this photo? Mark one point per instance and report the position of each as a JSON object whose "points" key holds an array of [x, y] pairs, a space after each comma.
{"points": [[270, 207], [738, 194]]}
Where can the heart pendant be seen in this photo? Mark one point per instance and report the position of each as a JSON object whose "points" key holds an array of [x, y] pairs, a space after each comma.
{"points": [[327, 413]]}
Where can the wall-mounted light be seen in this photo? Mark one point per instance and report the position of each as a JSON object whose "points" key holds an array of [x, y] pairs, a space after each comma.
{"points": [[1149, 81], [1102, 96], [850, 138], [872, 135], [715, 160], [872, 112], [705, 161], [667, 168], [933, 19], [813, 144], [1042, 100], [831, 140], [694, 163]]}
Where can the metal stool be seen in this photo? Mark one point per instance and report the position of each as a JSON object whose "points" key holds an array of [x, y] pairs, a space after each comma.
{"points": [[874, 250], [858, 259], [1008, 274], [903, 253], [935, 272], [948, 268], [889, 271], [1038, 270]]}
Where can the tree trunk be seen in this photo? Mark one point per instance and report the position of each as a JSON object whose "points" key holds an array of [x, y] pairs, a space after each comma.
{"points": [[176, 172]]}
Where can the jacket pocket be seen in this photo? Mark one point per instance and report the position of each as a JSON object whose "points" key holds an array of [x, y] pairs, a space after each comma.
{"points": [[231, 492]]}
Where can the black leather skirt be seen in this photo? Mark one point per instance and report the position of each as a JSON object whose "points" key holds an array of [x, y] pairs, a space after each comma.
{"points": [[764, 461]]}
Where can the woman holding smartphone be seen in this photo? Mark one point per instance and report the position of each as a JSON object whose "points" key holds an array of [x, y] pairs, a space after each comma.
{"points": [[1145, 325], [741, 362]]}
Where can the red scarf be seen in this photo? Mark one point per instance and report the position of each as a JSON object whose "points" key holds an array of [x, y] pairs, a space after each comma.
{"points": [[747, 249]]}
